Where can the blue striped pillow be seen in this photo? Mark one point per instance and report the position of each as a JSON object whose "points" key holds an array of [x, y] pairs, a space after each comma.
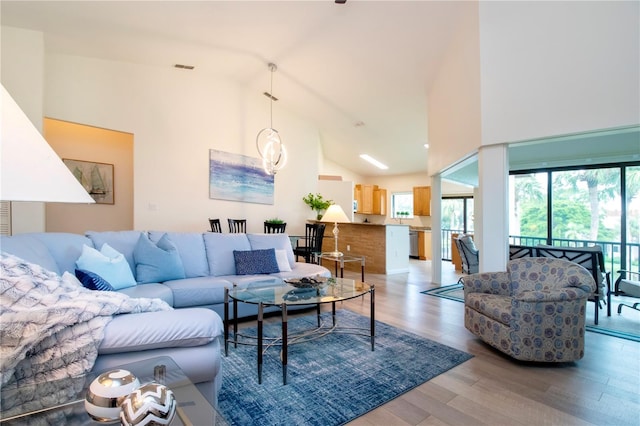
{"points": [[93, 281]]}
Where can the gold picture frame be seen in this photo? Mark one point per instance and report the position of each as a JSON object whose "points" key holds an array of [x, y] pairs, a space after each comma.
{"points": [[96, 178]]}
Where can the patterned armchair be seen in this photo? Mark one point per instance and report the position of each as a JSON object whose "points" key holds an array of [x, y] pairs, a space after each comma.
{"points": [[535, 311]]}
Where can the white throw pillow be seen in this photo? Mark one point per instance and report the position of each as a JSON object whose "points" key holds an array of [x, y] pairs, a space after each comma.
{"points": [[283, 261], [109, 264]]}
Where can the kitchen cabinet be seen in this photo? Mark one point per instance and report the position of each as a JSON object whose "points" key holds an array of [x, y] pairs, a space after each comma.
{"points": [[357, 195], [422, 201], [424, 245], [380, 201], [370, 199]]}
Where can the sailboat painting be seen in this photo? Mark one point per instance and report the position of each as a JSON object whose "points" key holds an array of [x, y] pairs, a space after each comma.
{"points": [[96, 178], [238, 177]]}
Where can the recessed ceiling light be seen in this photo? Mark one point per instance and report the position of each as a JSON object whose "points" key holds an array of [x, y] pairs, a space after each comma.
{"points": [[374, 161], [426, 145]]}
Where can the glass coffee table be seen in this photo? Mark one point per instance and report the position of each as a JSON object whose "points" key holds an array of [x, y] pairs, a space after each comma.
{"points": [[276, 292], [62, 401]]}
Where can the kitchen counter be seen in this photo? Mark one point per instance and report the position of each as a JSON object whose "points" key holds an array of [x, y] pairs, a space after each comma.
{"points": [[384, 246]]}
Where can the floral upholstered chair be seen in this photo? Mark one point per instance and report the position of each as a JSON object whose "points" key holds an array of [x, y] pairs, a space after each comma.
{"points": [[535, 311]]}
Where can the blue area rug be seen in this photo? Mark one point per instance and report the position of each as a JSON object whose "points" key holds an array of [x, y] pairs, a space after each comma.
{"points": [[331, 380], [452, 292], [628, 330]]}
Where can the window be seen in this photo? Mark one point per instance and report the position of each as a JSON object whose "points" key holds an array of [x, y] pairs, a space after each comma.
{"points": [[402, 205], [579, 207]]}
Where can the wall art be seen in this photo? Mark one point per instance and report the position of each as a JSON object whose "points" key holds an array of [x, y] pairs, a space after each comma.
{"points": [[96, 178], [237, 177]]}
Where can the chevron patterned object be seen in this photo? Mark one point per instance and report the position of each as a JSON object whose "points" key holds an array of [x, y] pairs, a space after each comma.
{"points": [[150, 404]]}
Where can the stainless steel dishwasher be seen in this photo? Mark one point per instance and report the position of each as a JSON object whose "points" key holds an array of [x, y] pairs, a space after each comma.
{"points": [[413, 244]]}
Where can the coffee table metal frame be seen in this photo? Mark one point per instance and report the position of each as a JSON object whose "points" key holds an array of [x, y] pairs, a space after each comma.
{"points": [[277, 293]]}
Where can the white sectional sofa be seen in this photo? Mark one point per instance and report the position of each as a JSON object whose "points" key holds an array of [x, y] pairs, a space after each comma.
{"points": [[190, 332]]}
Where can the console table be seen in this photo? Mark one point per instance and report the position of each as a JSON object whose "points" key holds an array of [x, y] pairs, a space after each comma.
{"points": [[341, 260], [62, 401]]}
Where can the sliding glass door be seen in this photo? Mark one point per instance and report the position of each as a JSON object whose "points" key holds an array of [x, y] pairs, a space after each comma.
{"points": [[579, 207]]}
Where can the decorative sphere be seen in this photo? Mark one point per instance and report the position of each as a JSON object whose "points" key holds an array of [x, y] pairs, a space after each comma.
{"points": [[151, 404], [106, 393]]}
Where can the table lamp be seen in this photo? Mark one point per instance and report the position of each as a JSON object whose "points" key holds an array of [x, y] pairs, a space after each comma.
{"points": [[336, 215], [31, 170]]}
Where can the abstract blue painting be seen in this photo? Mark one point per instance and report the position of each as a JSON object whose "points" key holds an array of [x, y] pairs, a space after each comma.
{"points": [[238, 177]]}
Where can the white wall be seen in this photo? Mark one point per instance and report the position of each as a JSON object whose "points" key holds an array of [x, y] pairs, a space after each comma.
{"points": [[21, 72], [176, 116], [338, 191], [331, 168], [454, 98], [548, 68], [553, 68]]}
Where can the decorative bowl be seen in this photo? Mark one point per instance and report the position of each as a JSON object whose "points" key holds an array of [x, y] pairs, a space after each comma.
{"points": [[307, 282], [106, 393]]}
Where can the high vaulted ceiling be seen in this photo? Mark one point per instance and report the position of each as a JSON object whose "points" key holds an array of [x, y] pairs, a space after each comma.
{"points": [[360, 71]]}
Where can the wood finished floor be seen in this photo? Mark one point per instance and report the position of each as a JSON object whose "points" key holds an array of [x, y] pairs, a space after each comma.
{"points": [[492, 389]]}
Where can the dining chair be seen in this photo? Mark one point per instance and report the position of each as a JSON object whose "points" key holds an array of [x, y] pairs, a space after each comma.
{"points": [[314, 233], [237, 225], [215, 225], [274, 228]]}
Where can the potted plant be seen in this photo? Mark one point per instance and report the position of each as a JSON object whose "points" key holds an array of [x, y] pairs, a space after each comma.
{"points": [[317, 203], [402, 215], [274, 225], [275, 221]]}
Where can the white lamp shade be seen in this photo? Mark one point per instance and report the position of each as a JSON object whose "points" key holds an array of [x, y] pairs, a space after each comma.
{"points": [[30, 170], [335, 214]]}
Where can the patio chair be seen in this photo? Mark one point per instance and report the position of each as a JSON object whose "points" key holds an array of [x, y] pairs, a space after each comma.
{"points": [[592, 259], [627, 287], [468, 254]]}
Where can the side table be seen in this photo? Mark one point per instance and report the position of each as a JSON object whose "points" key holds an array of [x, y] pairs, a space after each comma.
{"points": [[341, 260], [62, 401]]}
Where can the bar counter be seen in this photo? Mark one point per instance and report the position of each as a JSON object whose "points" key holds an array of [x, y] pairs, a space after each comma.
{"points": [[384, 246]]}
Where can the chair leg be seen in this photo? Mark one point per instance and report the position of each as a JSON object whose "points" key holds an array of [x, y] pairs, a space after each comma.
{"points": [[608, 281], [595, 315], [634, 306]]}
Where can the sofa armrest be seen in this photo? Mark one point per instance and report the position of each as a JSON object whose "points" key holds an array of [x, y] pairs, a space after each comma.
{"points": [[556, 295], [487, 282], [164, 329]]}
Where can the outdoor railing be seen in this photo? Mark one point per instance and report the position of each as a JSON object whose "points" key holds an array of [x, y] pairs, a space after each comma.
{"points": [[611, 249]]}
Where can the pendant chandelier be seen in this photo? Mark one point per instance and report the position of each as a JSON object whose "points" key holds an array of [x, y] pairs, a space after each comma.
{"points": [[270, 148]]}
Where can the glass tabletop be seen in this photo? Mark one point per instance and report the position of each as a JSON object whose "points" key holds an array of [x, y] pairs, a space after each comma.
{"points": [[343, 258], [277, 292], [62, 401]]}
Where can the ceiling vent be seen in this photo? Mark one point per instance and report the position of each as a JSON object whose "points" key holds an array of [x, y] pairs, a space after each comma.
{"points": [[270, 96], [184, 67]]}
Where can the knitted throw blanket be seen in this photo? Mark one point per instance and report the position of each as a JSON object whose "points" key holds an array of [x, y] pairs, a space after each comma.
{"points": [[51, 326]]}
